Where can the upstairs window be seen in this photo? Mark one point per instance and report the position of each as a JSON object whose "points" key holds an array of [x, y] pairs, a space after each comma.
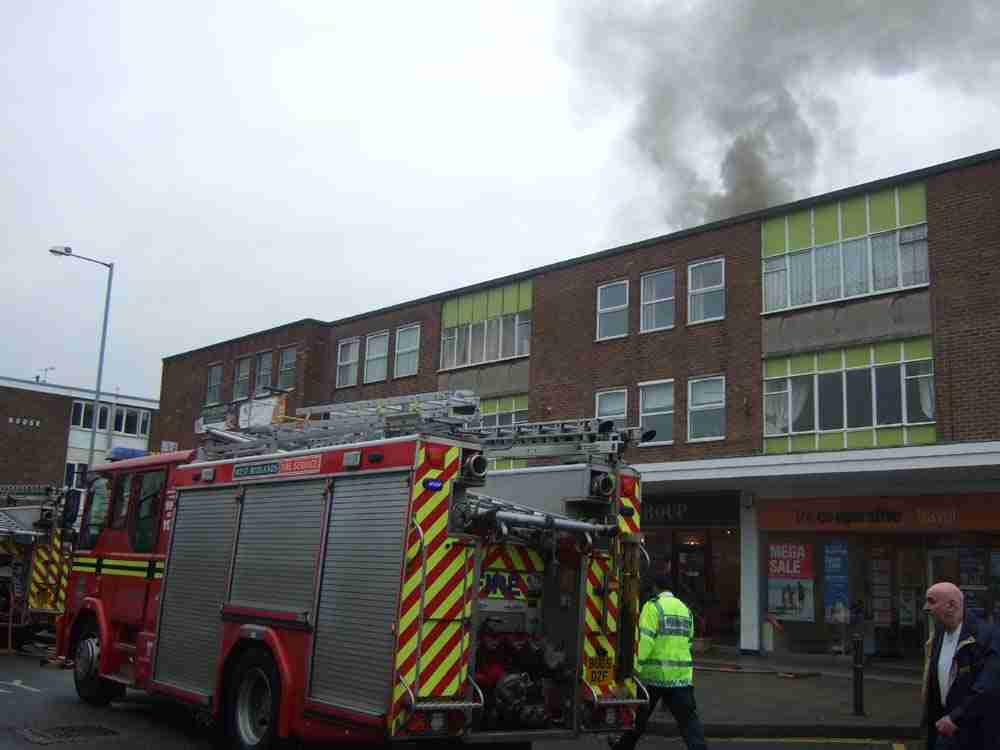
{"points": [[612, 310], [707, 291], [241, 386], [613, 405], [263, 373], [706, 409], [213, 392], [488, 326], [286, 370], [657, 301], [407, 351], [656, 410], [376, 357], [347, 362]]}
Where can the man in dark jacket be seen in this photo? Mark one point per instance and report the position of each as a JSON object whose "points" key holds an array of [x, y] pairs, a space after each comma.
{"points": [[961, 676]]}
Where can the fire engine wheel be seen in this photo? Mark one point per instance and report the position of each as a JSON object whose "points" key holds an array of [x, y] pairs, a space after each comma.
{"points": [[254, 700], [90, 686]]}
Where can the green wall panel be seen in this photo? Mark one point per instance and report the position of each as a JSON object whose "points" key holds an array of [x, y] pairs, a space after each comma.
{"points": [[803, 363], [776, 445], [831, 360], [803, 443], [889, 437], [776, 368], [774, 237], [831, 442], [465, 309], [520, 403], [825, 221], [917, 348], [479, 306], [923, 435], [864, 439], [800, 230], [449, 313], [854, 220], [495, 304], [524, 295], [488, 406], [857, 356], [888, 352], [510, 299], [913, 203], [882, 210]]}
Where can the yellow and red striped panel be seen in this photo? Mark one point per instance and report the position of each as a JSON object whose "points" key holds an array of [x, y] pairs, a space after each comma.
{"points": [[600, 627], [49, 573], [434, 640], [630, 495]]}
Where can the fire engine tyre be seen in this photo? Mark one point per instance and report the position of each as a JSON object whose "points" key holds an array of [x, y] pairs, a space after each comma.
{"points": [[253, 701], [90, 686]]}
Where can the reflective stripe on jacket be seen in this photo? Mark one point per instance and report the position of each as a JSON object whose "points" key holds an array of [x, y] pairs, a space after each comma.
{"points": [[666, 630]]}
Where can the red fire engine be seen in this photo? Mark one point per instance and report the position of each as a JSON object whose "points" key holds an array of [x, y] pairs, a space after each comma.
{"points": [[301, 580]]}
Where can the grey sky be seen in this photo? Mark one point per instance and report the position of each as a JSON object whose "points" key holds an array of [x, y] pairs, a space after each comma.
{"points": [[260, 163]]}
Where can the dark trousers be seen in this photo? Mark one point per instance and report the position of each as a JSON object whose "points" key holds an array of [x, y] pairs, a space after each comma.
{"points": [[680, 702]]}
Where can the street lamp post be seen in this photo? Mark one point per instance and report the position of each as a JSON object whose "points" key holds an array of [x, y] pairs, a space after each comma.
{"points": [[67, 252]]}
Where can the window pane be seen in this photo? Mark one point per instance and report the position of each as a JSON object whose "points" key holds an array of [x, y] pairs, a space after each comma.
{"points": [[77, 417], [476, 350], [131, 421], [123, 491], [827, 260], [147, 512], [775, 278], [347, 375], [102, 418], [98, 515], [859, 398], [144, 423], [406, 364], [920, 399], [489, 420], [659, 397], [803, 415], [612, 406], [375, 370], [614, 295], [831, 401], [462, 355], [913, 262], [707, 423], [776, 414], [705, 275], [70, 478], [915, 369], [448, 348], [508, 333], [377, 346], [88, 416], [800, 273], [708, 305], [707, 392], [408, 338], [663, 424], [493, 339], [612, 324], [855, 267], [889, 395], [263, 377], [884, 271], [523, 334], [119, 420], [657, 286], [657, 315], [520, 416]]}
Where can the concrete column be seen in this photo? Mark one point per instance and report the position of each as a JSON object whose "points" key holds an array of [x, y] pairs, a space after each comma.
{"points": [[750, 579]]}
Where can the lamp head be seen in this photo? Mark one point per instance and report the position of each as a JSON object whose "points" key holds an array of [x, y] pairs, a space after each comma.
{"points": [[61, 250]]}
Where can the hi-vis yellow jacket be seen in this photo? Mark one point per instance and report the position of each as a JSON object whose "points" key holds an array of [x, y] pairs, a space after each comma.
{"points": [[666, 630]]}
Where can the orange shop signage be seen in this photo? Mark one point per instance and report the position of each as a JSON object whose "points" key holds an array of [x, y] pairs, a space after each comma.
{"points": [[920, 513]]}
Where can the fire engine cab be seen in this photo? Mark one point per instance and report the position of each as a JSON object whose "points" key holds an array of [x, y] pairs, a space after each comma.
{"points": [[347, 577]]}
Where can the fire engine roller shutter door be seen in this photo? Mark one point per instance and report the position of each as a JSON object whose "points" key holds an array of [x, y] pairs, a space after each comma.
{"points": [[354, 644], [279, 535], [194, 587]]}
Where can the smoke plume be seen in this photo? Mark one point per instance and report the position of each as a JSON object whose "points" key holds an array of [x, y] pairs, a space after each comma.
{"points": [[751, 86]]}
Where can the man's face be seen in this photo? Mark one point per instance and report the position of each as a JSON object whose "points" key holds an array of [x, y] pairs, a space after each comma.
{"points": [[938, 606]]}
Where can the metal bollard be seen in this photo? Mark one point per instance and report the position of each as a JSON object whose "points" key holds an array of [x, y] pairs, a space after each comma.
{"points": [[858, 641]]}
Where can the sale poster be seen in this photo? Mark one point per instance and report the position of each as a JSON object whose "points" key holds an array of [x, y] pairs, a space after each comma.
{"points": [[790, 585], [836, 601]]}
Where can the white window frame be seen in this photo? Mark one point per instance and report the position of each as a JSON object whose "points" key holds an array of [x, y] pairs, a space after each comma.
{"points": [[643, 301], [673, 409], [613, 309], [268, 357], [398, 351], [368, 341], [282, 369], [356, 340], [460, 331], [608, 392], [690, 408], [691, 293], [145, 422], [209, 401], [237, 380]]}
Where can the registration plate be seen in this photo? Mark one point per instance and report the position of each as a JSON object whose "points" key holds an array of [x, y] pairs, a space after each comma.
{"points": [[599, 669]]}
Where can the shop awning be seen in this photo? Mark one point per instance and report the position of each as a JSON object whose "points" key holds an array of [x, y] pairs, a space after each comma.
{"points": [[954, 468]]}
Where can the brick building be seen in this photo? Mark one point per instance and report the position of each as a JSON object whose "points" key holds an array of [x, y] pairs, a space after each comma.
{"points": [[820, 375], [45, 430]]}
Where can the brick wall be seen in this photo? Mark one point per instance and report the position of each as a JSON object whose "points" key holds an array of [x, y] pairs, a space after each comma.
{"points": [[428, 315], [568, 366], [185, 376], [963, 225], [33, 454]]}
